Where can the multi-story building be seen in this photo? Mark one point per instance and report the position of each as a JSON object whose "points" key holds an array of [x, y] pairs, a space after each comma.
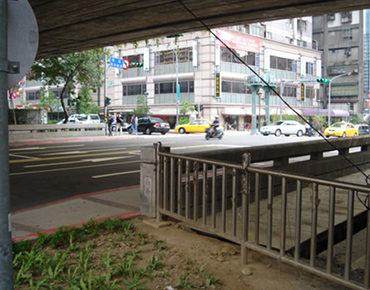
{"points": [[211, 75], [340, 36]]}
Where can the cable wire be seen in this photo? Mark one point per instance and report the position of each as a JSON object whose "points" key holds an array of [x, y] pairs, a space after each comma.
{"points": [[367, 177]]}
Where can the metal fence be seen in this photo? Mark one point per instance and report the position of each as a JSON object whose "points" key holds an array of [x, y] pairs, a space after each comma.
{"points": [[319, 226]]}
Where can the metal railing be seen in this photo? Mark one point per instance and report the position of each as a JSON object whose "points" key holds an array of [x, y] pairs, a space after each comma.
{"points": [[302, 221]]}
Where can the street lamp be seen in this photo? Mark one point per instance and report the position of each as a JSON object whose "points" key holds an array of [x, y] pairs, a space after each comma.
{"points": [[146, 94], [329, 94]]}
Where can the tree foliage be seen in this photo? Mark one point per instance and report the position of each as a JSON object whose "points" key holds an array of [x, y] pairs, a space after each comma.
{"points": [[84, 102], [68, 70], [186, 107], [142, 108]]}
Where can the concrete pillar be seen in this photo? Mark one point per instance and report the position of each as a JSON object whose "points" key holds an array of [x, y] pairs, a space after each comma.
{"points": [[149, 179]]}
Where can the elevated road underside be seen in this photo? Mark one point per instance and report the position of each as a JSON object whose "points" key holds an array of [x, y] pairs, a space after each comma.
{"points": [[68, 25]]}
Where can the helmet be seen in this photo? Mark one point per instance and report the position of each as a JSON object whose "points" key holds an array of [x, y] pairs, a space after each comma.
{"points": [[216, 116]]}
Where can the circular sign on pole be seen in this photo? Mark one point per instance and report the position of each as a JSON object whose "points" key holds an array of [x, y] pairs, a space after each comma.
{"points": [[23, 38], [126, 63]]}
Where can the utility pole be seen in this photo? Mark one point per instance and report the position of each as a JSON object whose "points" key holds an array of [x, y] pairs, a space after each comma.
{"points": [[6, 259]]}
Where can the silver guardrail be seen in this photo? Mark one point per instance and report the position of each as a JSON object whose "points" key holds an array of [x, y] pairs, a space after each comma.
{"points": [[305, 222]]}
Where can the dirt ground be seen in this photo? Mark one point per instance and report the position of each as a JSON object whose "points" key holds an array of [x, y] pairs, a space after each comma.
{"points": [[222, 259]]}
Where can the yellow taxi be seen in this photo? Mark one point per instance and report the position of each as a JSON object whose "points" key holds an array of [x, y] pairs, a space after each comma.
{"points": [[196, 126], [341, 129]]}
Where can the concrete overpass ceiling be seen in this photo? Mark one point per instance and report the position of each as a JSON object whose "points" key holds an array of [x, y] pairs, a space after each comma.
{"points": [[74, 25]]}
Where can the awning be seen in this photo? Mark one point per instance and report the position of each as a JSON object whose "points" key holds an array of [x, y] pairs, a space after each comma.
{"points": [[234, 112], [340, 113], [164, 112], [308, 112]]}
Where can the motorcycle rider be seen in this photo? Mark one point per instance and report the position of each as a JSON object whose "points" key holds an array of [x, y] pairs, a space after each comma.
{"points": [[215, 124]]}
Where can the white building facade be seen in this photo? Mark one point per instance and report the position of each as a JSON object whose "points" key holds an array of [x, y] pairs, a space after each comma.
{"points": [[212, 77]]}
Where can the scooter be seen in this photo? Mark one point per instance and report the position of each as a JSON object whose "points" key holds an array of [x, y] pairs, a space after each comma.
{"points": [[212, 132]]}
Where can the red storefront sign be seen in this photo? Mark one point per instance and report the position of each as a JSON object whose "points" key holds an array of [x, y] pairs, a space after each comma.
{"points": [[239, 41]]}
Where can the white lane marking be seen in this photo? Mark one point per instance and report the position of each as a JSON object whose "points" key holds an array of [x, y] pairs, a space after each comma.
{"points": [[79, 161], [21, 156], [65, 153], [43, 148], [72, 168], [115, 174]]}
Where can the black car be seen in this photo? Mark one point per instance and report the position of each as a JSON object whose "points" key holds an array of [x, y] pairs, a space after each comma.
{"points": [[149, 125]]}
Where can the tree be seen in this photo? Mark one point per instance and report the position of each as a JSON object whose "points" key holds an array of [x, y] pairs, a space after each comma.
{"points": [[186, 107], [48, 99], [70, 69], [142, 108], [84, 102]]}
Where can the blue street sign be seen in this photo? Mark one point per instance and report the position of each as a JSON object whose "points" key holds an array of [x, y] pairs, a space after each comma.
{"points": [[116, 62]]}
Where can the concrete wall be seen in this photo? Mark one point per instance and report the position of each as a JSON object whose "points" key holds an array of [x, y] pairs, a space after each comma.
{"points": [[308, 158], [21, 132]]}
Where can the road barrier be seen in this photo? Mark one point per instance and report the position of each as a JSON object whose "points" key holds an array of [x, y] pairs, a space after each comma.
{"points": [[21, 132], [303, 221]]}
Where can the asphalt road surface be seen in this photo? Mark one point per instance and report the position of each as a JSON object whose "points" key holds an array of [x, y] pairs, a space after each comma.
{"points": [[48, 172]]}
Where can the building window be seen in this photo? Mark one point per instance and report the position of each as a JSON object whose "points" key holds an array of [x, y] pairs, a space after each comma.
{"points": [[302, 25], [247, 57], [170, 88], [347, 32], [234, 87], [346, 17], [310, 92], [281, 63], [290, 91], [33, 96], [134, 90], [309, 68], [168, 57]]}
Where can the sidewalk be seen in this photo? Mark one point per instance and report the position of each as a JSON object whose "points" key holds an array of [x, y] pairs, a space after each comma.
{"points": [[47, 218]]}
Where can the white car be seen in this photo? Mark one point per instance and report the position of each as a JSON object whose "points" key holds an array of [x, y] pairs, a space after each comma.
{"points": [[284, 127], [82, 119]]}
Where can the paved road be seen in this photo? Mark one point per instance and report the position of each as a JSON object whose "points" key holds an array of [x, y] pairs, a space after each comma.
{"points": [[42, 173]]}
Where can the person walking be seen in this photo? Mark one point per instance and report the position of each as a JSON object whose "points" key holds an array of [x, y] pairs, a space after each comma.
{"points": [[110, 120], [119, 122], [134, 124]]}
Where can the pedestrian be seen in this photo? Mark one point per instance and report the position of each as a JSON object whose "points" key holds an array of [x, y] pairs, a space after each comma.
{"points": [[110, 120], [134, 124], [119, 121]]}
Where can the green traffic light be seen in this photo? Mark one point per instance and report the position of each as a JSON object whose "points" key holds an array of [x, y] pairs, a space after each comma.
{"points": [[322, 80], [136, 64]]}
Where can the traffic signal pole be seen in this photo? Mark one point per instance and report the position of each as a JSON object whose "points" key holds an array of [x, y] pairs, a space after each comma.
{"points": [[6, 259]]}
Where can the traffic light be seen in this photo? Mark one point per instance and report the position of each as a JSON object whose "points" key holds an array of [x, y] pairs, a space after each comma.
{"points": [[136, 64], [107, 101], [175, 35], [322, 80], [198, 108]]}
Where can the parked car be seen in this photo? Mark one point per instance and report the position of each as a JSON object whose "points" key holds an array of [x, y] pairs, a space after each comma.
{"points": [[74, 119], [149, 125], [196, 126], [91, 119], [341, 129], [363, 129], [284, 127]]}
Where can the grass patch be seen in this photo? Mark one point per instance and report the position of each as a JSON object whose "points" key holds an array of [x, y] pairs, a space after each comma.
{"points": [[107, 255]]}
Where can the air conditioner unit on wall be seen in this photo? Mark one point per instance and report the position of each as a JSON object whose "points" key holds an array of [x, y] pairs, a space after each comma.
{"points": [[331, 17]]}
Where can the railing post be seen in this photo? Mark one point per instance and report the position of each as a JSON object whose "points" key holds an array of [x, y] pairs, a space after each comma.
{"points": [[151, 179], [245, 200]]}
